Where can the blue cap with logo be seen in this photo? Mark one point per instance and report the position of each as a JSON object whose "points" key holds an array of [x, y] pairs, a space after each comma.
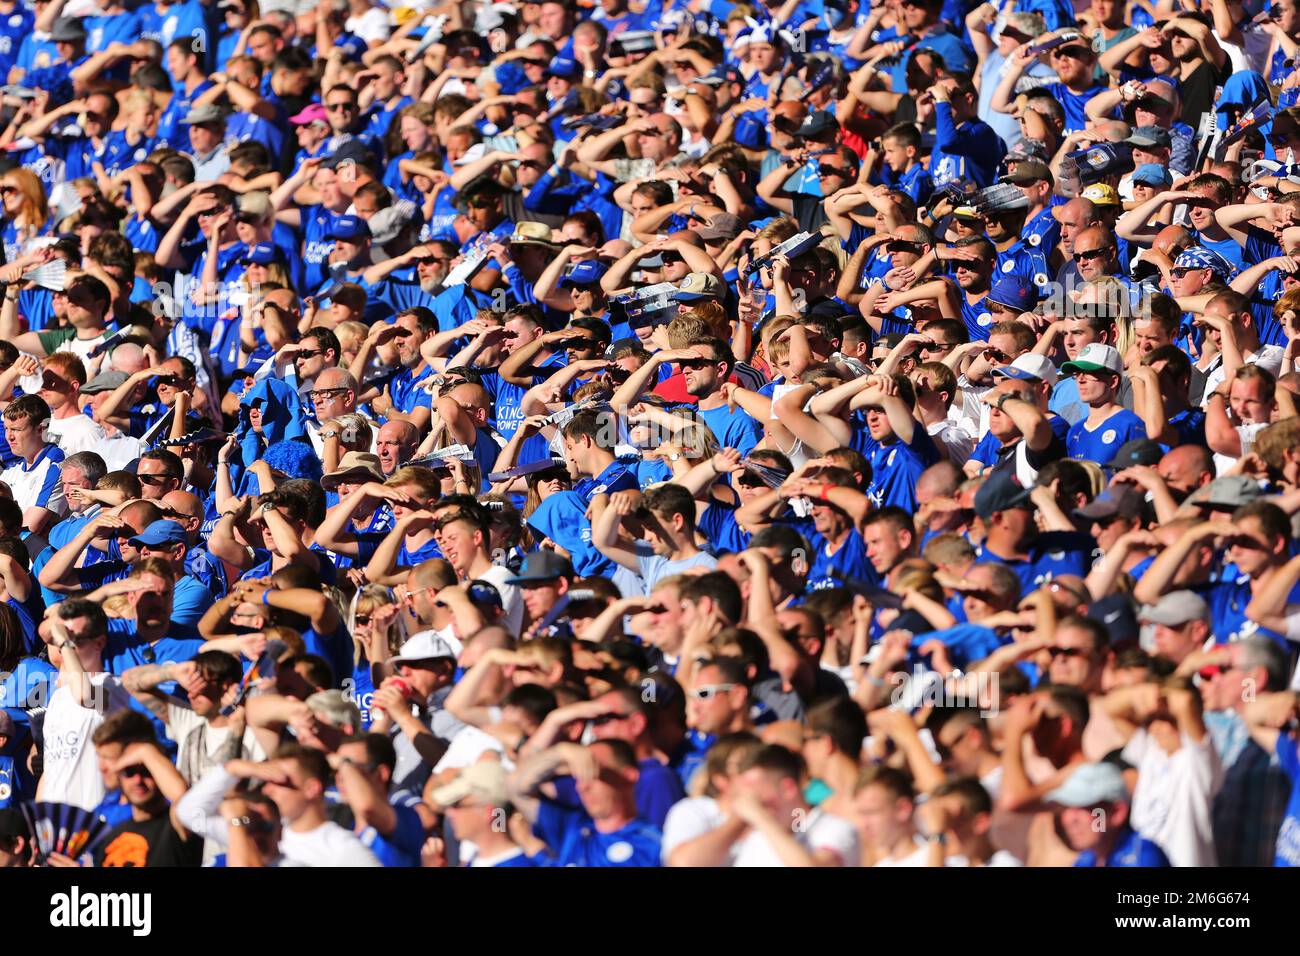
{"points": [[350, 229], [584, 272], [1015, 292], [564, 68], [159, 533], [262, 254]]}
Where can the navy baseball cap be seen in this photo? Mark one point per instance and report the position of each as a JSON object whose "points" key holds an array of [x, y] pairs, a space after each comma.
{"points": [[159, 533], [585, 272], [1000, 492], [541, 566], [262, 254], [350, 228]]}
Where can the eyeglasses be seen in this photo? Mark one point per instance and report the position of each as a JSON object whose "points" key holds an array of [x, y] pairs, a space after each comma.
{"points": [[1082, 255], [321, 394], [709, 691]]}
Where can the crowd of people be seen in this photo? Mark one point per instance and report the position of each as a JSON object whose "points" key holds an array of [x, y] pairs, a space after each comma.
{"points": [[643, 433]]}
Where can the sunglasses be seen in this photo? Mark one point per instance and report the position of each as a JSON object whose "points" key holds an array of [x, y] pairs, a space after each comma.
{"points": [[1073, 52], [902, 246], [824, 170], [1067, 652], [135, 770], [936, 346], [709, 691], [336, 107], [1084, 255], [155, 479], [310, 353], [694, 363], [1179, 271], [1211, 672], [430, 260], [996, 355]]}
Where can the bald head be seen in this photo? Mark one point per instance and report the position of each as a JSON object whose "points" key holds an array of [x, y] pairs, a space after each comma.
{"points": [[336, 377], [128, 358], [1172, 240], [140, 514]]}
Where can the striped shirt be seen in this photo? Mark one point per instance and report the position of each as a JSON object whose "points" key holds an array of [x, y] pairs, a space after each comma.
{"points": [[39, 485]]}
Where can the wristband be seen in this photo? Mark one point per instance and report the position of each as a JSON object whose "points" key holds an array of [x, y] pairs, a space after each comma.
{"points": [[266, 597], [876, 681], [823, 493]]}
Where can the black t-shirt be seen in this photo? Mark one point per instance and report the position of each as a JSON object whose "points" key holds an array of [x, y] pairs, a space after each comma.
{"points": [[153, 842], [809, 212], [1197, 92]]}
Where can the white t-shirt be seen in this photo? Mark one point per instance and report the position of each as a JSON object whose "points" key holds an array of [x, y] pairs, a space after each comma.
{"points": [[688, 819], [953, 439], [82, 433], [372, 26], [999, 858], [327, 845], [918, 857], [511, 599], [1174, 796], [71, 773], [822, 832], [467, 747]]}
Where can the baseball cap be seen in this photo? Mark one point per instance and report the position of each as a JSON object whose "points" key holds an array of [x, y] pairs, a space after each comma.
{"points": [[1028, 149], [1028, 171], [388, 223], [262, 254], [1137, 451], [1227, 493], [1149, 136], [104, 382], [564, 68], [1028, 367], [1115, 613], [162, 531], [208, 113], [484, 780], [311, 113], [485, 593], [256, 204], [584, 272], [1000, 492], [699, 285], [1115, 500], [1101, 195], [1150, 174], [1015, 292], [1091, 784], [543, 565], [1095, 357], [353, 151], [350, 228], [425, 646], [1198, 257], [724, 225], [1176, 608], [819, 123]]}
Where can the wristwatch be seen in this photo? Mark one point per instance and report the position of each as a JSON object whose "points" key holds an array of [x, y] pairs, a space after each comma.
{"points": [[268, 506], [939, 838], [243, 821]]}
